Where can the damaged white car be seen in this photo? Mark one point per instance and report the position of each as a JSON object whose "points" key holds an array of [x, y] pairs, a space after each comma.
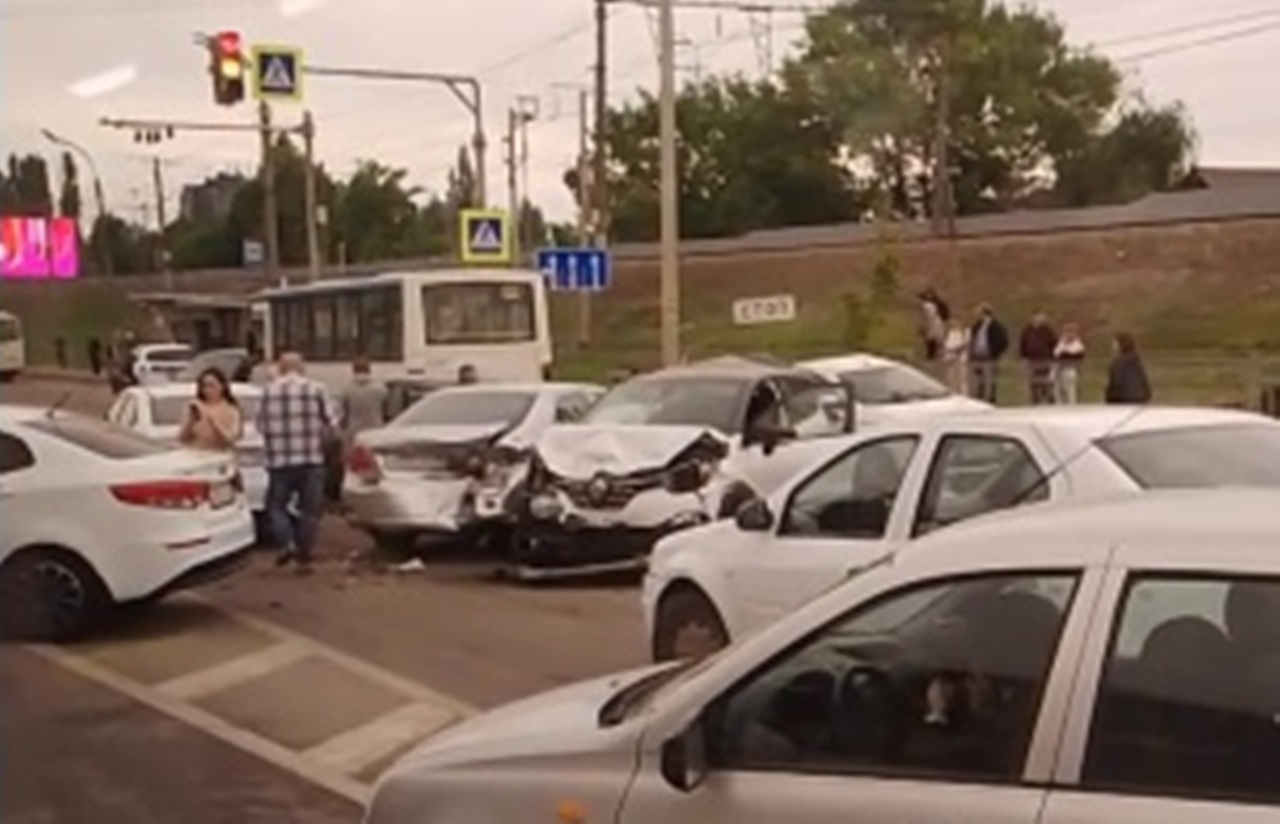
{"points": [[444, 468], [667, 451]]}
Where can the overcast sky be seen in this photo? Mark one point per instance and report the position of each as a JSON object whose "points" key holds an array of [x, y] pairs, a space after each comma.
{"points": [[534, 47]]}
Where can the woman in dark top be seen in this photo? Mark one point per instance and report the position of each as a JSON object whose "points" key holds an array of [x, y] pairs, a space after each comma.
{"points": [[1127, 379]]}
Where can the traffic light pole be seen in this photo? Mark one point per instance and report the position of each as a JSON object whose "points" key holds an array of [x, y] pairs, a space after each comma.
{"points": [[466, 89]]}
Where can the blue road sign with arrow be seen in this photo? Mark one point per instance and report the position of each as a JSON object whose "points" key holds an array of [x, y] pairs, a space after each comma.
{"points": [[588, 270]]}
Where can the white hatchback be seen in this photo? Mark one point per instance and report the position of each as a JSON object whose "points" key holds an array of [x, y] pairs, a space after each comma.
{"points": [[92, 514], [889, 390], [1115, 662], [869, 494]]}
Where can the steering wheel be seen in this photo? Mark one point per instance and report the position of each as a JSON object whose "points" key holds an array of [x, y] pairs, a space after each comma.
{"points": [[865, 711]]}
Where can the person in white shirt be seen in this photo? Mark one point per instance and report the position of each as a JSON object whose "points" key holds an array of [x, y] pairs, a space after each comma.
{"points": [[955, 354], [1068, 355]]}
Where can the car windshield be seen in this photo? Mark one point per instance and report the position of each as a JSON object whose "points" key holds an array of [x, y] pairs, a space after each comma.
{"points": [[445, 408], [715, 403], [99, 437], [899, 383], [1197, 457], [169, 411]]}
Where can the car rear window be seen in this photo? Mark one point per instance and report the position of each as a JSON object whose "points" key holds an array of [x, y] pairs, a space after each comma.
{"points": [[99, 437], [1198, 457], [169, 354]]}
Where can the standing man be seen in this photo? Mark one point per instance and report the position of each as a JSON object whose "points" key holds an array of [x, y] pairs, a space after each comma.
{"points": [[363, 402], [1036, 346], [988, 341], [295, 418]]}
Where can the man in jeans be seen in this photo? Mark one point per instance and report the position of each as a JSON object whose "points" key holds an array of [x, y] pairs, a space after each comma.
{"points": [[295, 418]]}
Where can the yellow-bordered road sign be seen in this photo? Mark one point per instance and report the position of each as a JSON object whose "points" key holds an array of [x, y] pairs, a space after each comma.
{"points": [[277, 72], [486, 236]]}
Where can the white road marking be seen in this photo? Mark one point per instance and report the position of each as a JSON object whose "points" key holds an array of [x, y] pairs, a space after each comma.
{"points": [[236, 671], [268, 751], [329, 764], [354, 750]]}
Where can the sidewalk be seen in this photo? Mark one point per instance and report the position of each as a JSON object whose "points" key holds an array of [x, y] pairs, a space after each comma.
{"points": [[53, 373]]}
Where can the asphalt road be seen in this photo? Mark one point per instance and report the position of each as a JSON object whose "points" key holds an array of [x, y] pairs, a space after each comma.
{"points": [[171, 679]]}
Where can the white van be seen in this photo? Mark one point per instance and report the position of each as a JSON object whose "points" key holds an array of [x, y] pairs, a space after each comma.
{"points": [[13, 347]]}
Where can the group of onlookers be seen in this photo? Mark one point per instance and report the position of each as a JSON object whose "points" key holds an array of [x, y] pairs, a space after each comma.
{"points": [[971, 354]]}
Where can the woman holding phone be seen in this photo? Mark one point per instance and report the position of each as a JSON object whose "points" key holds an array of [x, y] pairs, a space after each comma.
{"points": [[213, 419]]}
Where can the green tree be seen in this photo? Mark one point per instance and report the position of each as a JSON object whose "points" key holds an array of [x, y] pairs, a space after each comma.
{"points": [[752, 154], [1020, 99], [246, 218], [375, 214], [69, 202], [26, 189]]}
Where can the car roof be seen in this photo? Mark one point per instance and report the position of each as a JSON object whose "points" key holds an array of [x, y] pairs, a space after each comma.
{"points": [[852, 362], [727, 366], [1186, 529], [1092, 421], [539, 387], [151, 347], [187, 389]]}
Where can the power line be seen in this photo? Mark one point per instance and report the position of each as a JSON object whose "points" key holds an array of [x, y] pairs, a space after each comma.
{"points": [[1202, 42], [1190, 28]]}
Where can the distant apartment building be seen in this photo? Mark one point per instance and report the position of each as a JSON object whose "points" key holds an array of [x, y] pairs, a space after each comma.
{"points": [[212, 199]]}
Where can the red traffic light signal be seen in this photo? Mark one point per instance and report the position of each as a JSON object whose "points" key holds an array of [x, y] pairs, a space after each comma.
{"points": [[226, 63]]}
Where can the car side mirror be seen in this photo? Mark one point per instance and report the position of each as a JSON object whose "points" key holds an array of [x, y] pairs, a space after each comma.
{"points": [[684, 759], [754, 516]]}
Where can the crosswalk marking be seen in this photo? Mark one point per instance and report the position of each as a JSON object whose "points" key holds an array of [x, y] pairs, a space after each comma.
{"points": [[352, 751], [236, 671]]}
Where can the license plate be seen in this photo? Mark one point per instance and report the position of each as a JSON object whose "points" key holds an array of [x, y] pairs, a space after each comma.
{"points": [[222, 494]]}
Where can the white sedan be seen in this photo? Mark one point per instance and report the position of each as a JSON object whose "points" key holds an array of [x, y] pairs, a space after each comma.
{"points": [[1108, 663], [94, 514], [869, 494], [159, 363], [890, 390], [157, 411]]}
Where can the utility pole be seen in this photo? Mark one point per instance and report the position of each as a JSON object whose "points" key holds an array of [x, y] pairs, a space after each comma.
{"points": [[312, 208], [669, 194], [166, 260], [513, 189], [270, 209], [584, 211], [599, 215], [528, 110]]}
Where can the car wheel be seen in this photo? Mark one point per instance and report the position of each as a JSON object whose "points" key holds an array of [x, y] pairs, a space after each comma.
{"points": [[687, 626], [50, 595]]}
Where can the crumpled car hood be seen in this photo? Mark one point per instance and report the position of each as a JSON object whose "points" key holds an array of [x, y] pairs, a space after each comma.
{"points": [[580, 451]]}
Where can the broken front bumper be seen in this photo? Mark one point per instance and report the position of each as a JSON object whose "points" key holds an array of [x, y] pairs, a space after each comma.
{"points": [[556, 538]]}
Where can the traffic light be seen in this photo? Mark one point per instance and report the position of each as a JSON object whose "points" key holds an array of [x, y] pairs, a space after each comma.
{"points": [[227, 65]]}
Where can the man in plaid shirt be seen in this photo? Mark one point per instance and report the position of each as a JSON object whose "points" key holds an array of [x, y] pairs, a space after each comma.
{"points": [[296, 418]]}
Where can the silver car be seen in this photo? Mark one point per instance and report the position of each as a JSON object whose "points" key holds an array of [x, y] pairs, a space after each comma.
{"points": [[445, 467]]}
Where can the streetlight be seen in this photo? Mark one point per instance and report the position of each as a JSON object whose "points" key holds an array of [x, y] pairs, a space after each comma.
{"points": [[99, 199], [669, 191]]}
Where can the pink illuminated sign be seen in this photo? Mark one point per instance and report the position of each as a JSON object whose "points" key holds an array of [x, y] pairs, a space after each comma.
{"points": [[34, 247]]}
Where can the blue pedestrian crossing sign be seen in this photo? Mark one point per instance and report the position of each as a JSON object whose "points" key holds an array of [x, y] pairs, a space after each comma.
{"points": [[277, 72], [585, 270], [486, 236]]}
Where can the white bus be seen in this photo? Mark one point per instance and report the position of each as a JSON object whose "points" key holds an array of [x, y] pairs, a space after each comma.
{"points": [[13, 348], [425, 324]]}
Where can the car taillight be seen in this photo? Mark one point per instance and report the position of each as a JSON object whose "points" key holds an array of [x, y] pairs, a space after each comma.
{"points": [[362, 463], [163, 494]]}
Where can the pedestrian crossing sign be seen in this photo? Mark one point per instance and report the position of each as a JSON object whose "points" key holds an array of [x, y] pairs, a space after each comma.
{"points": [[486, 236], [277, 72]]}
